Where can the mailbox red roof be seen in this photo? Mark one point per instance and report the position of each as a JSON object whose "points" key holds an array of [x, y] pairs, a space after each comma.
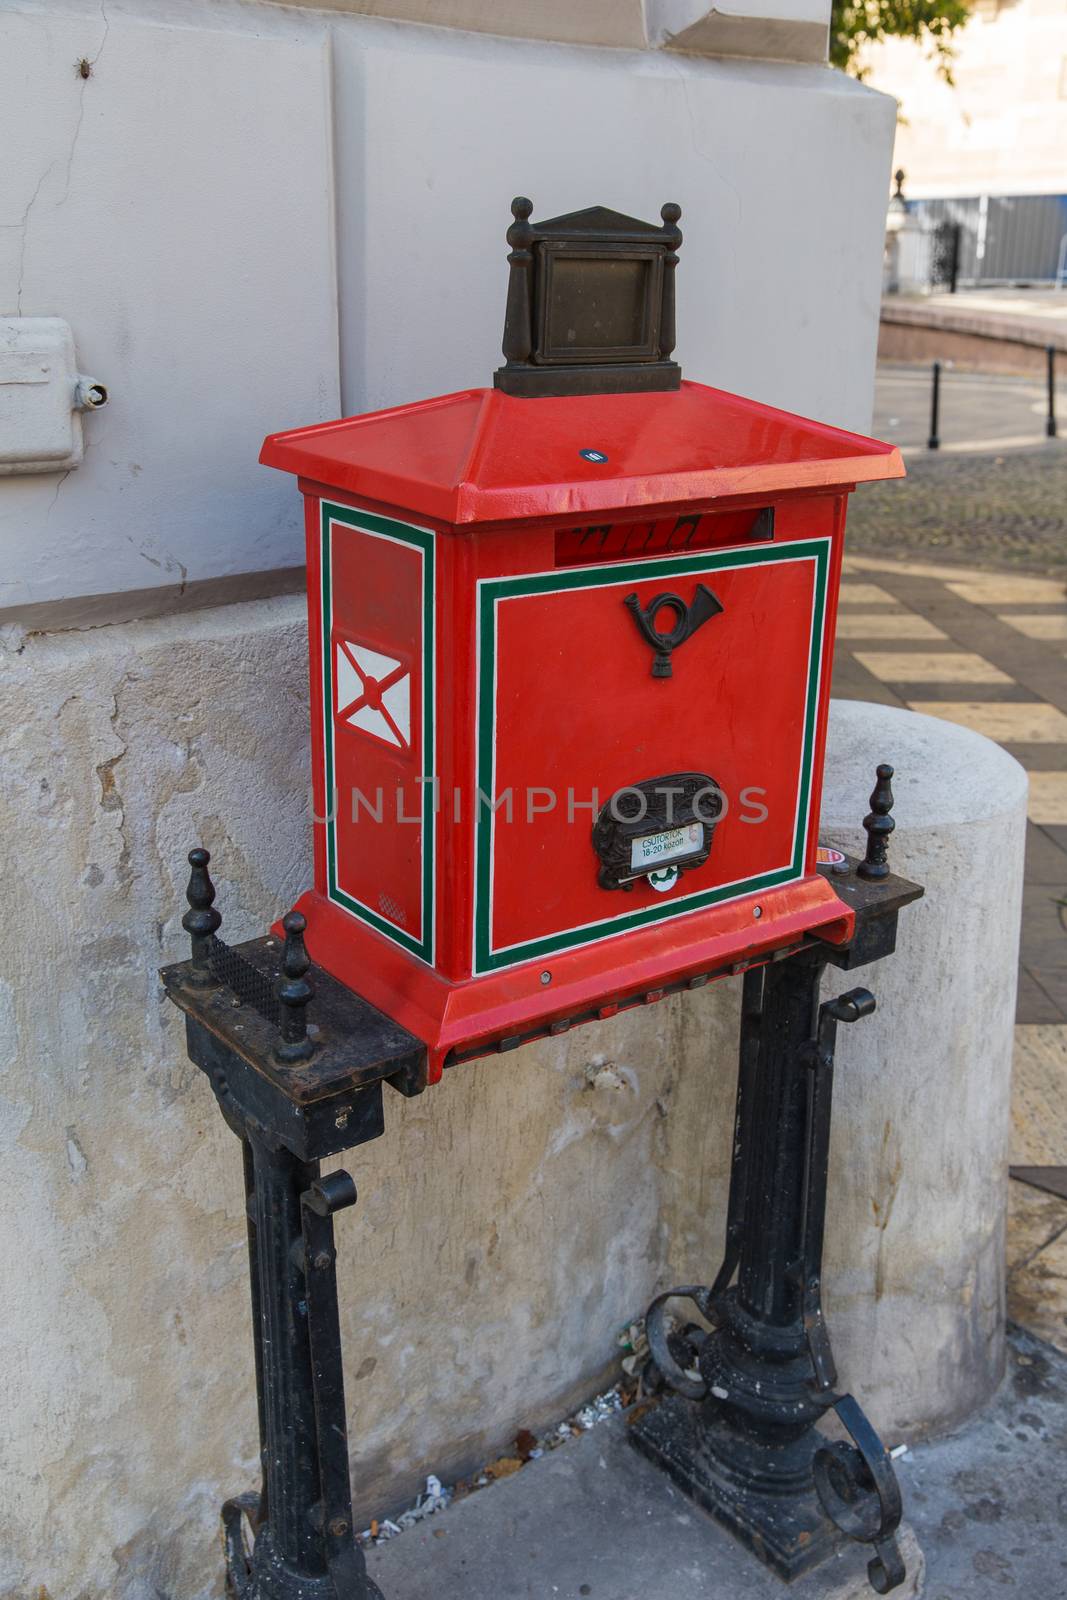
{"points": [[483, 456]]}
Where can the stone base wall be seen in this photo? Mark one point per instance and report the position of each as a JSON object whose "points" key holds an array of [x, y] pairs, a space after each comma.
{"points": [[511, 1220]]}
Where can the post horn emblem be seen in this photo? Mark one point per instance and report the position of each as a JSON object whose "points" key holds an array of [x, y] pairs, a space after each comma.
{"points": [[688, 618]]}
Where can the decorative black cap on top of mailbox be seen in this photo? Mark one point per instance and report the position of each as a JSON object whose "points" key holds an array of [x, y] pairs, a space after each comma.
{"points": [[590, 303]]}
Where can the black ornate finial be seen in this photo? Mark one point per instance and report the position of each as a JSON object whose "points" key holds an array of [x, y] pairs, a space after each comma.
{"points": [[294, 990], [879, 825], [670, 214], [590, 303], [898, 179], [201, 920], [518, 326]]}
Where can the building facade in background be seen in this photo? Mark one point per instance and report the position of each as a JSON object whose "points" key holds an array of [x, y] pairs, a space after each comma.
{"points": [[988, 152]]}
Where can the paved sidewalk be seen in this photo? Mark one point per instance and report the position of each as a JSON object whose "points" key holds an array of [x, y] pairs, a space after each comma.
{"points": [[1042, 307], [989, 650], [1005, 511], [595, 1519], [978, 411], [993, 330], [1040, 313], [994, 495]]}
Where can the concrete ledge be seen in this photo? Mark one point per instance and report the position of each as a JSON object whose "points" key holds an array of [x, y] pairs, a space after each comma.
{"points": [[780, 30], [919, 1161], [977, 337], [602, 22], [771, 30], [139, 605], [979, 322]]}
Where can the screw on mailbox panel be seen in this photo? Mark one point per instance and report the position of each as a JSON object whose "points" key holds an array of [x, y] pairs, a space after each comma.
{"points": [[546, 977], [934, 442]]}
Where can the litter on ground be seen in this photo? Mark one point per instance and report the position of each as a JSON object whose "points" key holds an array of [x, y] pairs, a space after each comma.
{"points": [[528, 1447]]}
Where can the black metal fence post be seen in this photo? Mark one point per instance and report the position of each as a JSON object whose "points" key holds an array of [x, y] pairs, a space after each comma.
{"points": [[954, 259], [934, 441], [1050, 362]]}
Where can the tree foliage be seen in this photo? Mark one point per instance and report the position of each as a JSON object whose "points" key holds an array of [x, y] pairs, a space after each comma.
{"points": [[857, 23]]}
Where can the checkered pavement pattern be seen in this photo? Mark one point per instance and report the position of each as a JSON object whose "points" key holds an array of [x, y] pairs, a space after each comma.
{"points": [[989, 651]]}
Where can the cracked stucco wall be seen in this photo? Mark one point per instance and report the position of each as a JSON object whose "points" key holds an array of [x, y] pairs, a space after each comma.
{"points": [[510, 1221]]}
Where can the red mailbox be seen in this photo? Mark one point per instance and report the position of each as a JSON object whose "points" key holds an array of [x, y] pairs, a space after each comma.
{"points": [[571, 640]]}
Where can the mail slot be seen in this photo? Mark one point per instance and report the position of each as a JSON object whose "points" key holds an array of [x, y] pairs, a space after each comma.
{"points": [[571, 638]]}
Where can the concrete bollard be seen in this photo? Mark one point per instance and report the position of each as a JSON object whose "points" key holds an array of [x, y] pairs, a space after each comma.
{"points": [[919, 1162]]}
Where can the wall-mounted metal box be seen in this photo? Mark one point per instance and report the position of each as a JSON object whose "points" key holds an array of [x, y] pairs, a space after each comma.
{"points": [[42, 396]]}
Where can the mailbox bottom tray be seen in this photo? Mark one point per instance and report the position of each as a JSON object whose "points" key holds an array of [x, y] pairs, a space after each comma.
{"points": [[500, 1010]]}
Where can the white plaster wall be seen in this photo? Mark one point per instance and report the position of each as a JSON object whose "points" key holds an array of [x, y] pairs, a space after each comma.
{"points": [[253, 215], [176, 208], [791, 30], [777, 169]]}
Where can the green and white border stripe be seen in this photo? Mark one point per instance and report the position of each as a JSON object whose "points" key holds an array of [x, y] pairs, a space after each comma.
{"points": [[492, 592], [421, 539]]}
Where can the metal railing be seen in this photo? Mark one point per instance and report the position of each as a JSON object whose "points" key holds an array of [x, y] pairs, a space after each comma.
{"points": [[986, 240], [933, 439]]}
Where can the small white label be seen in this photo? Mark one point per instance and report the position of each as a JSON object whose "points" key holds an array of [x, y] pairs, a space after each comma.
{"points": [[654, 847]]}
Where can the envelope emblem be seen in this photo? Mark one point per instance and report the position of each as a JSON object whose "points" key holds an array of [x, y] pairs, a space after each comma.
{"points": [[373, 693]]}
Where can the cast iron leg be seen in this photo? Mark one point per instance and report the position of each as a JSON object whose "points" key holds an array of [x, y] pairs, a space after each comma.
{"points": [[759, 1434], [751, 1454], [304, 1543]]}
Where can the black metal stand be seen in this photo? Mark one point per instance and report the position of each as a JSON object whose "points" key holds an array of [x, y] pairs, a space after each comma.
{"points": [[293, 1093], [740, 1434]]}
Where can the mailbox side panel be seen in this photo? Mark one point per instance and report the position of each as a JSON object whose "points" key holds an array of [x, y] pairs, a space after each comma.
{"points": [[373, 637]]}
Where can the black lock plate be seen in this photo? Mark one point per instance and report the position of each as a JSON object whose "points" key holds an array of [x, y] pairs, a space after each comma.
{"points": [[656, 829]]}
